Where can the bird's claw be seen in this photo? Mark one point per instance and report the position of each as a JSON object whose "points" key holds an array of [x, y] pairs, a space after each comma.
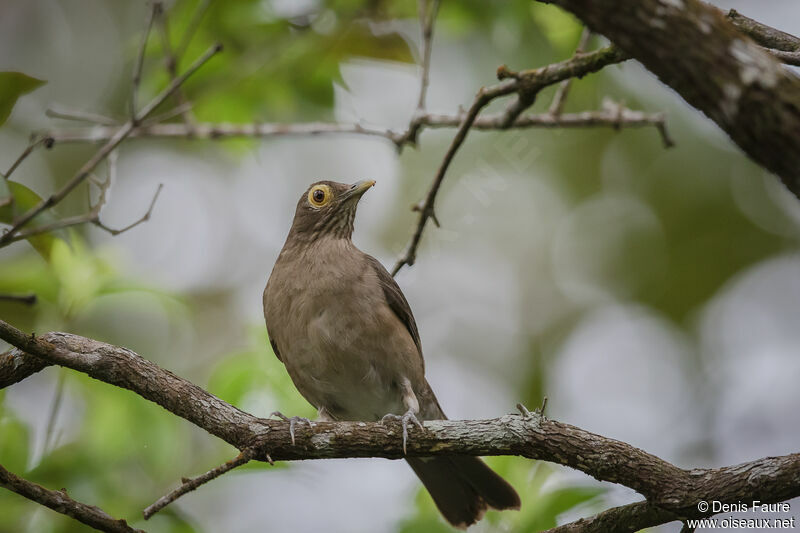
{"points": [[404, 419], [292, 422]]}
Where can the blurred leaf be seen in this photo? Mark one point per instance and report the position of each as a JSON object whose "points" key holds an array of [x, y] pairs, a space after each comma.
{"points": [[12, 86], [560, 27], [256, 376], [14, 443], [23, 200], [82, 275], [357, 40]]}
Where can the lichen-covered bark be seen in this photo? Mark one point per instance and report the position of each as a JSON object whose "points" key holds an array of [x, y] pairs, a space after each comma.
{"points": [[696, 50], [673, 490]]}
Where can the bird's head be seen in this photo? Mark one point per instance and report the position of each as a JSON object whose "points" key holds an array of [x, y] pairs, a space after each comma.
{"points": [[328, 208]]}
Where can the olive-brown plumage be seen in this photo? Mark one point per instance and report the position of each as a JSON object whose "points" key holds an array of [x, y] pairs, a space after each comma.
{"points": [[342, 327]]}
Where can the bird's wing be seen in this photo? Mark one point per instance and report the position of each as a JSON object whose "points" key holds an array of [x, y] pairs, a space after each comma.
{"points": [[397, 302], [275, 348]]}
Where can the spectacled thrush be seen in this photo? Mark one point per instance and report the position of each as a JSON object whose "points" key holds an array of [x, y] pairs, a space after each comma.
{"points": [[342, 327]]}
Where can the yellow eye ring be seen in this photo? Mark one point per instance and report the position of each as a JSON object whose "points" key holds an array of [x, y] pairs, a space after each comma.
{"points": [[320, 195]]}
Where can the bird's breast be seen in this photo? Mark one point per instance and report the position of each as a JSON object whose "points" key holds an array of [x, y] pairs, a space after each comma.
{"points": [[327, 323]]}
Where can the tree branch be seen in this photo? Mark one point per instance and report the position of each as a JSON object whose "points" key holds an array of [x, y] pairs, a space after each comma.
{"points": [[693, 48], [188, 485], [136, 78], [526, 84], [666, 486], [625, 519], [764, 35], [58, 501], [119, 135], [213, 131]]}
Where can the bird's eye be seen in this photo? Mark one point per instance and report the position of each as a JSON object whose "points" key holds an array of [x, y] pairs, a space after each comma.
{"points": [[319, 195]]}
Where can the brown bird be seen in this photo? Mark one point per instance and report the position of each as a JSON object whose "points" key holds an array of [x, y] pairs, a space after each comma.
{"points": [[343, 329]]}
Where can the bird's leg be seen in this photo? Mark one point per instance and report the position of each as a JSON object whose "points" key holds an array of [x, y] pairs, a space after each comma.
{"points": [[412, 408], [292, 422], [323, 415]]}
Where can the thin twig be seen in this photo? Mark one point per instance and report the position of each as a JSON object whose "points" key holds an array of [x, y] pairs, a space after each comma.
{"points": [[132, 225], [80, 116], [109, 147], [27, 299], [44, 139], [191, 29], [191, 484], [155, 8], [557, 105], [526, 84], [166, 115], [213, 131], [222, 130], [172, 65], [426, 208], [92, 216], [59, 501], [427, 17]]}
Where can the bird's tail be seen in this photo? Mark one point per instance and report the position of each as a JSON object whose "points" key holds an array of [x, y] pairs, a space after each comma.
{"points": [[463, 487]]}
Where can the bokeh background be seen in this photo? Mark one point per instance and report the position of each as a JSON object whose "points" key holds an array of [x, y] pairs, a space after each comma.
{"points": [[651, 294]]}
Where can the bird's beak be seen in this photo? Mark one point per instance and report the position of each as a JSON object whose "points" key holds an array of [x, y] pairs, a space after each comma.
{"points": [[358, 189]]}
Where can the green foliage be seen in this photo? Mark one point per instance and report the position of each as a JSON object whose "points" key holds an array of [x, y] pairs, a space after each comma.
{"points": [[275, 67], [23, 199], [559, 27], [243, 376], [541, 506], [12, 86]]}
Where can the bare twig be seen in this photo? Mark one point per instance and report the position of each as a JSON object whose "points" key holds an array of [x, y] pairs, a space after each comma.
{"points": [[40, 140], [426, 207], [526, 84], [120, 135], [557, 105], [27, 299], [58, 501], [155, 9], [91, 216], [191, 29], [212, 131], [188, 485], [166, 115], [427, 17], [80, 116], [172, 65], [144, 218]]}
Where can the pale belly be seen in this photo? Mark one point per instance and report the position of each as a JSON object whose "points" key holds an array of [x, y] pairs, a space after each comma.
{"points": [[345, 368]]}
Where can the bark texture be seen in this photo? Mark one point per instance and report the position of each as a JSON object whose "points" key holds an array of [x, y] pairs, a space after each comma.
{"points": [[673, 490], [699, 52]]}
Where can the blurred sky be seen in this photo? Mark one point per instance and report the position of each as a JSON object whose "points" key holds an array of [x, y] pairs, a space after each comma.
{"points": [[635, 282]]}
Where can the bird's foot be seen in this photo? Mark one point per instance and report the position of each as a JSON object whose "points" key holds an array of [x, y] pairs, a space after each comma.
{"points": [[292, 422], [409, 416]]}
